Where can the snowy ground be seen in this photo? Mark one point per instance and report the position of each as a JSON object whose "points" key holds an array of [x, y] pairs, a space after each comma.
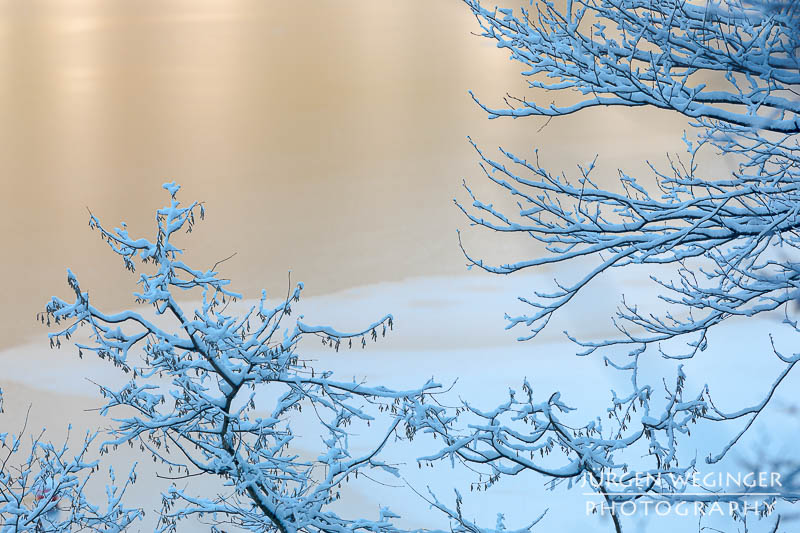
{"points": [[453, 329]]}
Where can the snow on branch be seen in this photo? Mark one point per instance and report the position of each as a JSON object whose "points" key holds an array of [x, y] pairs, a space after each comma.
{"points": [[195, 399], [43, 487], [733, 69]]}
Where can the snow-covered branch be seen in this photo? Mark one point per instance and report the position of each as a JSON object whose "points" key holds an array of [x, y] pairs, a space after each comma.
{"points": [[43, 488], [732, 68], [196, 396]]}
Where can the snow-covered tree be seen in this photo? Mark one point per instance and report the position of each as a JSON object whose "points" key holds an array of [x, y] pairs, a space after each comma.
{"points": [[214, 393], [733, 68], [43, 487]]}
